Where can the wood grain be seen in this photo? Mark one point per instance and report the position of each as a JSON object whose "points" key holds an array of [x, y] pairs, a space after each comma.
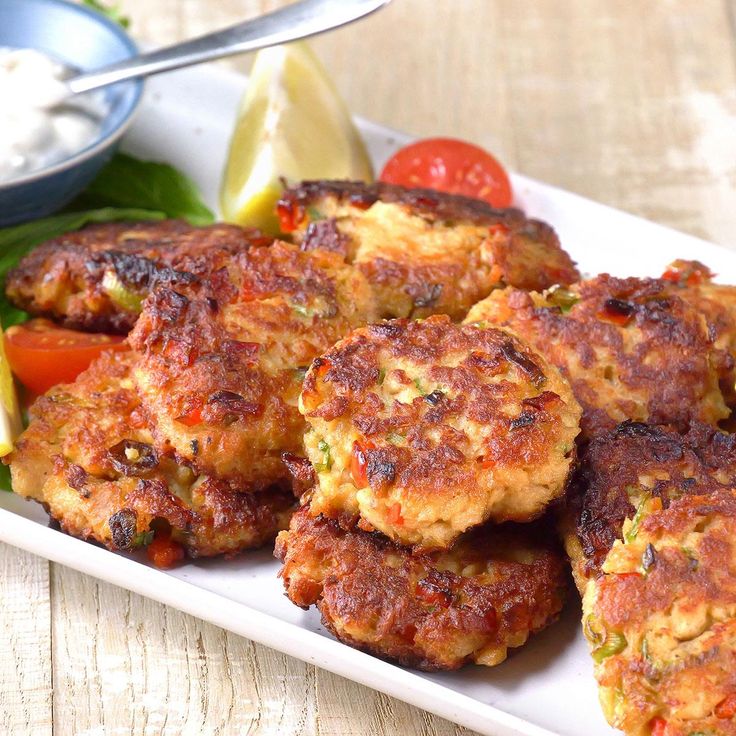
{"points": [[25, 644], [632, 103]]}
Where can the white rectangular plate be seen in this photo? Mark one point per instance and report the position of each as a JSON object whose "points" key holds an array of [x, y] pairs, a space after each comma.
{"points": [[547, 686]]}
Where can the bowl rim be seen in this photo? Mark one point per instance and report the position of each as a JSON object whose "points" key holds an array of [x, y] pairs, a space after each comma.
{"points": [[99, 145]]}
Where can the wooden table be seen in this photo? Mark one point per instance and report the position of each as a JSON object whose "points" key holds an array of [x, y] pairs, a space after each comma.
{"points": [[630, 102]]}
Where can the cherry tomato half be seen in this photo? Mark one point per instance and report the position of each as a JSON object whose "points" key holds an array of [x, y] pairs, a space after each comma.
{"points": [[452, 166], [42, 354]]}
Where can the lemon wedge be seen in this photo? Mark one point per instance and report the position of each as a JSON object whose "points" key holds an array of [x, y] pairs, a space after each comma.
{"points": [[10, 424], [293, 124]]}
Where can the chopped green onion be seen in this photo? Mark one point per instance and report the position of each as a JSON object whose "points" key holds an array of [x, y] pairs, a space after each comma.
{"points": [[381, 376], [395, 438], [119, 294], [593, 631], [326, 463], [638, 516], [563, 298], [315, 214], [418, 384], [614, 644]]}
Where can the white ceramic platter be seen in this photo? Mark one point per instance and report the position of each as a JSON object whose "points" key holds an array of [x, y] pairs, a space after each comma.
{"points": [[544, 688]]}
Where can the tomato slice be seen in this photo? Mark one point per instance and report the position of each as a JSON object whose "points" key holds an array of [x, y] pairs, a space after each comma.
{"points": [[42, 354], [452, 166]]}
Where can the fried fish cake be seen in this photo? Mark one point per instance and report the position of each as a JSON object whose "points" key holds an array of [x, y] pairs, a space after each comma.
{"points": [[96, 278], [424, 252], [693, 282], [631, 349], [435, 611], [88, 457], [634, 468], [650, 527], [424, 429], [222, 362]]}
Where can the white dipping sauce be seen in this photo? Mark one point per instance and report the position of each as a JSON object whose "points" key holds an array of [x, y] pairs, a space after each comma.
{"points": [[33, 133]]}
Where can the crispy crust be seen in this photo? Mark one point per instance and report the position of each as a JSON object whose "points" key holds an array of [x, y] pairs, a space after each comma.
{"points": [[63, 278], [222, 361], [88, 457], [361, 195], [668, 599], [631, 349], [425, 252], [434, 612], [649, 526], [636, 461], [453, 425], [692, 281]]}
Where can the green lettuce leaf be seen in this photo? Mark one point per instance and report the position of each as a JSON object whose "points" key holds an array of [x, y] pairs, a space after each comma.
{"points": [[130, 182]]}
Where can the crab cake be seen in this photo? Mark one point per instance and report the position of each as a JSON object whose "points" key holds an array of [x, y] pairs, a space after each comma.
{"points": [[692, 281], [637, 466], [435, 611], [424, 252], [96, 278], [651, 531], [88, 457], [222, 362], [425, 429], [631, 349]]}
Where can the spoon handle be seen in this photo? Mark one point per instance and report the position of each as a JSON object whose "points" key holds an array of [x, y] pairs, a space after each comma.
{"points": [[295, 21]]}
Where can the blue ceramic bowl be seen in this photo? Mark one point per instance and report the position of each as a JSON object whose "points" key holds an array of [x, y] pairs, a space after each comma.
{"points": [[79, 37]]}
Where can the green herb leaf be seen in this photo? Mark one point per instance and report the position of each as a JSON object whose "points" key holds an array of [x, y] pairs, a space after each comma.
{"points": [[130, 182], [17, 240], [142, 539], [113, 12]]}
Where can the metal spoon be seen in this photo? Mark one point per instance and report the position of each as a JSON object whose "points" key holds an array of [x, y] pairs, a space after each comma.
{"points": [[298, 20]]}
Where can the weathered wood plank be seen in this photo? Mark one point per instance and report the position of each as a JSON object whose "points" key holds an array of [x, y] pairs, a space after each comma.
{"points": [[25, 644]]}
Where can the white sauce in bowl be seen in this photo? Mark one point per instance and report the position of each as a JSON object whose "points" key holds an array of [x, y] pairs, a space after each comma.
{"points": [[33, 133]]}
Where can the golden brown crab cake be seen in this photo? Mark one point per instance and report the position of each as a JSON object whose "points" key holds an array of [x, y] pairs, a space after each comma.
{"points": [[661, 620], [435, 611], [693, 282], [88, 457], [649, 525], [424, 252], [96, 278], [424, 429], [222, 362], [631, 349]]}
